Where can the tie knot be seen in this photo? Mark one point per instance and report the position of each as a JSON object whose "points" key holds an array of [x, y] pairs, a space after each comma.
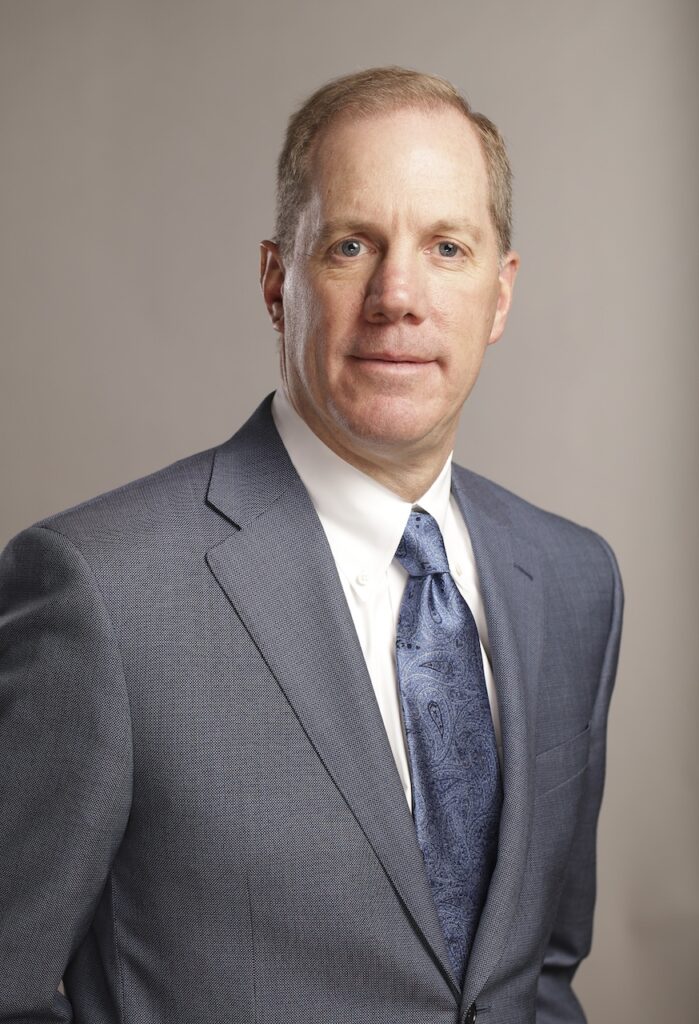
{"points": [[421, 549]]}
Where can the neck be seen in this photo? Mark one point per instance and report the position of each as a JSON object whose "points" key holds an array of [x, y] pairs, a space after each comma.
{"points": [[409, 480], [409, 474], [409, 470]]}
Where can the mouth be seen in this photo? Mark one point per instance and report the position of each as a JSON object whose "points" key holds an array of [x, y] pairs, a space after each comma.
{"points": [[384, 367], [393, 359]]}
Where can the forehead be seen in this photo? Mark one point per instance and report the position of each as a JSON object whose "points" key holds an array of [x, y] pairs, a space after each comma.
{"points": [[400, 160]]}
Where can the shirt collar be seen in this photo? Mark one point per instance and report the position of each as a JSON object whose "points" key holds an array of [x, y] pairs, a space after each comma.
{"points": [[363, 520]]}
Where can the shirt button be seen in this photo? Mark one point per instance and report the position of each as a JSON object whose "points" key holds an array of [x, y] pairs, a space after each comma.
{"points": [[363, 579]]}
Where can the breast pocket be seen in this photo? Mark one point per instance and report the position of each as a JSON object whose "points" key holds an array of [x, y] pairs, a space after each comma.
{"points": [[563, 762]]}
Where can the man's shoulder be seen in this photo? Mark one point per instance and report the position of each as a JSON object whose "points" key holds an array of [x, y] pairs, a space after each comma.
{"points": [[154, 525], [175, 508], [158, 495], [557, 538]]}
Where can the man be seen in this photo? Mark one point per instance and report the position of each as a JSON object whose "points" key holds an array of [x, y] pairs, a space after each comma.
{"points": [[311, 727]]}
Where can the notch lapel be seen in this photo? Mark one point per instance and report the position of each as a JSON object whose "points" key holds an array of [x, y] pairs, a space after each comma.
{"points": [[278, 572], [511, 588]]}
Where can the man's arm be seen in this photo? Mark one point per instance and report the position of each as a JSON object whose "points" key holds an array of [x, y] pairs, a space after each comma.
{"points": [[65, 766], [572, 933]]}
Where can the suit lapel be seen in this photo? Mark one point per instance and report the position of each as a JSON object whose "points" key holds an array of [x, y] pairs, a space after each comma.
{"points": [[511, 589], [279, 574]]}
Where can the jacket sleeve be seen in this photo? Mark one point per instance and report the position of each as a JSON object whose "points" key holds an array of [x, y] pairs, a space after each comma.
{"points": [[65, 767], [571, 937]]}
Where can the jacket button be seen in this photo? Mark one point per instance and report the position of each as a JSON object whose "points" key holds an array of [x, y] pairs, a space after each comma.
{"points": [[471, 1014]]}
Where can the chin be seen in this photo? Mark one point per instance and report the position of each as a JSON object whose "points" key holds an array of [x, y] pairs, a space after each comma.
{"points": [[389, 425]]}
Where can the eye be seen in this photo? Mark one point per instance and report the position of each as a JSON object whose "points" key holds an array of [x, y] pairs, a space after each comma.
{"points": [[448, 249], [350, 247]]}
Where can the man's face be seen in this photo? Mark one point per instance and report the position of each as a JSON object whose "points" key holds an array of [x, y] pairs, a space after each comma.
{"points": [[395, 287]]}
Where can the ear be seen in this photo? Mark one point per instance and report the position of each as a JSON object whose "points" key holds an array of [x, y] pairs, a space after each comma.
{"points": [[272, 281], [508, 273]]}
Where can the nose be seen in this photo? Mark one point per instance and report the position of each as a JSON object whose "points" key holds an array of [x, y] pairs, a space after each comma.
{"points": [[397, 290]]}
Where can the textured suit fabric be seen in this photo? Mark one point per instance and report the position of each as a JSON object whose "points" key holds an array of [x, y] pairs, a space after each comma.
{"points": [[201, 817]]}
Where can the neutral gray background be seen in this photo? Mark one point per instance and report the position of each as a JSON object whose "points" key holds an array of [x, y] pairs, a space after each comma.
{"points": [[137, 148]]}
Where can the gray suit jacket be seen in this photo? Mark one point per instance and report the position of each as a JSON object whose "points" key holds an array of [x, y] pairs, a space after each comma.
{"points": [[201, 817]]}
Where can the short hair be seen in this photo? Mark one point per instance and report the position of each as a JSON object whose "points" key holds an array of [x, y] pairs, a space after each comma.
{"points": [[376, 91]]}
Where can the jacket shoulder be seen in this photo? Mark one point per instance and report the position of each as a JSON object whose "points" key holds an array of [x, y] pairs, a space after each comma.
{"points": [[169, 500], [560, 540]]}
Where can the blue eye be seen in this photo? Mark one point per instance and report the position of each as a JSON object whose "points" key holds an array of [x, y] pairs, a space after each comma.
{"points": [[350, 247], [448, 249]]}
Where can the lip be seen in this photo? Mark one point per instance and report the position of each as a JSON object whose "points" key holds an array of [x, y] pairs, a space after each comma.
{"points": [[393, 367], [397, 358]]}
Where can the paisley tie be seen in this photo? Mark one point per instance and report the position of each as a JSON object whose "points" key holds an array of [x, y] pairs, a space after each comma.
{"points": [[457, 793]]}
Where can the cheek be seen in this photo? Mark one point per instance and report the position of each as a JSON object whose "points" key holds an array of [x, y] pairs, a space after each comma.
{"points": [[332, 324], [339, 306], [467, 351], [468, 323], [298, 304], [311, 345], [301, 328]]}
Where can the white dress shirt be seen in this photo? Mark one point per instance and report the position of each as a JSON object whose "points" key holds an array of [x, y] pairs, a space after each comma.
{"points": [[364, 522]]}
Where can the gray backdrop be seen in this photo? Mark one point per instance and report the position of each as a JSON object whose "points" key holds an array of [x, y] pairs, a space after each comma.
{"points": [[137, 148]]}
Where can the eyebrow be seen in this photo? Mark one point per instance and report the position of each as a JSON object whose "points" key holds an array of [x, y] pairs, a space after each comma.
{"points": [[457, 227], [332, 228], [339, 227]]}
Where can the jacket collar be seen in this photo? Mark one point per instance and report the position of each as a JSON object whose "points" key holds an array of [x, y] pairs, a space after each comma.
{"points": [[509, 571]]}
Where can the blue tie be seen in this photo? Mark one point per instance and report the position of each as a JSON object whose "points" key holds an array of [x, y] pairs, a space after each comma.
{"points": [[453, 757]]}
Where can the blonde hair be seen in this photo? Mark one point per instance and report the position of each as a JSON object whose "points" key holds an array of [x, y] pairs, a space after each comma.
{"points": [[376, 91]]}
